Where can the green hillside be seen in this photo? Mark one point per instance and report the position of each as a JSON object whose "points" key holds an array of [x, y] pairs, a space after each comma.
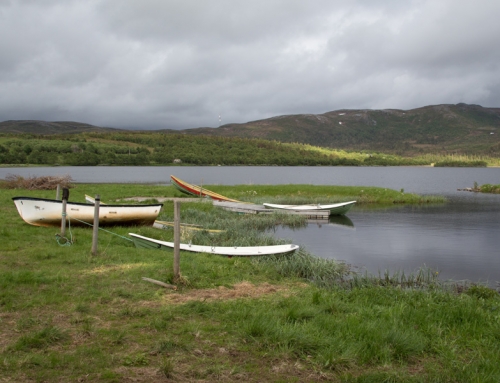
{"points": [[45, 127], [465, 129], [461, 129]]}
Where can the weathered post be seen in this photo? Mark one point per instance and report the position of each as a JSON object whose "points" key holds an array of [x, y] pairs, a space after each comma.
{"points": [[96, 224], [65, 198], [58, 192], [177, 239]]}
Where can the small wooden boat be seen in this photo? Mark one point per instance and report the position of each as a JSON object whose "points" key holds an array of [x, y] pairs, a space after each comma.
{"points": [[48, 212], [244, 251], [198, 191], [335, 209], [184, 226]]}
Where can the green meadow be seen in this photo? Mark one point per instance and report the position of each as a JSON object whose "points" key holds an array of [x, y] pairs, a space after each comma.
{"points": [[69, 316]]}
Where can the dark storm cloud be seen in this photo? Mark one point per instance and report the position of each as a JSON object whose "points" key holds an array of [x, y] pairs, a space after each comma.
{"points": [[180, 64]]}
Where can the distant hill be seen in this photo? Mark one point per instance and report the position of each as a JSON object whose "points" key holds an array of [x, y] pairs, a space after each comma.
{"points": [[459, 128], [44, 127]]}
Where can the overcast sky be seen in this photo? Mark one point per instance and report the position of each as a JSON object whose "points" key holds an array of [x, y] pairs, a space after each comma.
{"points": [[155, 64]]}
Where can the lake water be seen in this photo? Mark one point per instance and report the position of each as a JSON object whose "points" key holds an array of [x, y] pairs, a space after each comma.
{"points": [[460, 239]]}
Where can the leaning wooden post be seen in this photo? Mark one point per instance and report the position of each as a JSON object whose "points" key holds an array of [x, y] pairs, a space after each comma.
{"points": [[96, 224], [58, 192], [65, 198], [177, 239]]}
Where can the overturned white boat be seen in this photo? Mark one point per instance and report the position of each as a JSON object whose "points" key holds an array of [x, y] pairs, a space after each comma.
{"points": [[236, 251]]}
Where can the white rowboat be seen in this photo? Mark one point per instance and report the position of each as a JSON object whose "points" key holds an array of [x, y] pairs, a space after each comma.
{"points": [[48, 212], [244, 251], [335, 209]]}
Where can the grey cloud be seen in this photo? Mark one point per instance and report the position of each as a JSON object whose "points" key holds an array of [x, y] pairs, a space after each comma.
{"points": [[180, 64]]}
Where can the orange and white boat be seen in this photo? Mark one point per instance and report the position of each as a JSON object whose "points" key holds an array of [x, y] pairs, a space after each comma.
{"points": [[198, 191]]}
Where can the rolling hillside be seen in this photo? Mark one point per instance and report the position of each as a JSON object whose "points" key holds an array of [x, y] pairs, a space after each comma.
{"points": [[461, 128], [44, 127], [440, 128]]}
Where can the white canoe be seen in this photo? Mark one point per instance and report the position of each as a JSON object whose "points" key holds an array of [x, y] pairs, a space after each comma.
{"points": [[244, 251], [335, 209], [48, 212]]}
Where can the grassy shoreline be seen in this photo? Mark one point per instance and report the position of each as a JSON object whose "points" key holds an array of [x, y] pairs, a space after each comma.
{"points": [[66, 315]]}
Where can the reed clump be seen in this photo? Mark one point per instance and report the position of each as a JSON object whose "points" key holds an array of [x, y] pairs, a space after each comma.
{"points": [[303, 265]]}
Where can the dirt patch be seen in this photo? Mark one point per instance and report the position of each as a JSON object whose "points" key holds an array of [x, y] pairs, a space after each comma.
{"points": [[240, 290]]}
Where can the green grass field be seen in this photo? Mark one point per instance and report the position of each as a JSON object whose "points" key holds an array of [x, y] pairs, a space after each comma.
{"points": [[69, 316]]}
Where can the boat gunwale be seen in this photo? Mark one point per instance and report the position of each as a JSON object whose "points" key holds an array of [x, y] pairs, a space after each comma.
{"points": [[83, 204]]}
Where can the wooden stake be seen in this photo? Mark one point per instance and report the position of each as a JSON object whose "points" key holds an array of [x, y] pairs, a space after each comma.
{"points": [[177, 239], [65, 198], [96, 224], [58, 192]]}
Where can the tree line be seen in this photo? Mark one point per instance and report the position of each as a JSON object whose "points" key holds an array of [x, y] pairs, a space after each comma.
{"points": [[157, 148]]}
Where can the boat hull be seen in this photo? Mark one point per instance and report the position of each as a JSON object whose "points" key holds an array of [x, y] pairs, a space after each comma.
{"points": [[245, 251], [47, 212], [197, 191], [334, 209]]}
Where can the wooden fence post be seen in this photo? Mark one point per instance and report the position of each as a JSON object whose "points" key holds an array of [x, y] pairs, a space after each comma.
{"points": [[65, 198], [177, 239], [58, 192], [96, 224]]}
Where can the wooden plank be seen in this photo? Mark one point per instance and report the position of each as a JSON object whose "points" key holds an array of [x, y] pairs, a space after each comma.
{"points": [[159, 283]]}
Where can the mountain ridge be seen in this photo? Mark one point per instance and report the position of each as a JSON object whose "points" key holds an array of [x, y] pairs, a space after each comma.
{"points": [[465, 128]]}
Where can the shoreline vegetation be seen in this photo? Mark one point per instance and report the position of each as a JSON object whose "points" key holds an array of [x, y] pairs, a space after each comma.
{"points": [[66, 315], [156, 149]]}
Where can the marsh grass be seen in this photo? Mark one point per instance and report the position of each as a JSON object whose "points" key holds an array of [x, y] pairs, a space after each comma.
{"points": [[66, 315], [314, 194]]}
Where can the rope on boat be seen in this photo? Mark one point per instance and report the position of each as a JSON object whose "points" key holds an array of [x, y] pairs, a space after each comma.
{"points": [[69, 242], [107, 231], [64, 241]]}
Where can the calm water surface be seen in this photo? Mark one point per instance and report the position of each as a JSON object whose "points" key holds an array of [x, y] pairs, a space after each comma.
{"points": [[422, 180], [460, 239]]}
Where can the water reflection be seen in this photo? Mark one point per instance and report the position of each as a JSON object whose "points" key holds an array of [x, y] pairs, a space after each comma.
{"points": [[459, 239], [336, 220]]}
